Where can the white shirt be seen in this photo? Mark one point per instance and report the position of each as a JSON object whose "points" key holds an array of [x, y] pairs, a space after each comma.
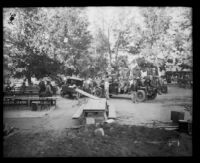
{"points": [[131, 82], [143, 74], [106, 84]]}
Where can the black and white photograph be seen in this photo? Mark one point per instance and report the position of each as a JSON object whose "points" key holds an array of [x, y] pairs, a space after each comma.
{"points": [[97, 81]]}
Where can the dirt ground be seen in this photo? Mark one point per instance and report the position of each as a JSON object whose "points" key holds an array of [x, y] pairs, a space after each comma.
{"points": [[48, 133]]}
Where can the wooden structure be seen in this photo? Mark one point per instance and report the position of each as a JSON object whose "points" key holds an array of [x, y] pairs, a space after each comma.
{"points": [[28, 90], [97, 109], [86, 94], [34, 102]]}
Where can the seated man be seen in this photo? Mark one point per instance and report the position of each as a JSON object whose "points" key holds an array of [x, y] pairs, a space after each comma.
{"points": [[23, 87], [48, 91], [42, 89]]}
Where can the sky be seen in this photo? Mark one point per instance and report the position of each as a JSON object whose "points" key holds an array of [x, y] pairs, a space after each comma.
{"points": [[108, 13], [94, 13]]}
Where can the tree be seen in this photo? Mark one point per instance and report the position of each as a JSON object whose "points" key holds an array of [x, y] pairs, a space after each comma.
{"points": [[157, 23], [38, 41], [28, 46], [73, 38]]}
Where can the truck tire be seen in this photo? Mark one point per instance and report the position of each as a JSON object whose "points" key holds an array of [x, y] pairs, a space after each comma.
{"points": [[98, 93], [141, 95]]}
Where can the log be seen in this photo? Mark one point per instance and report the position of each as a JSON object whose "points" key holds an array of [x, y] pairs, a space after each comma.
{"points": [[86, 94]]}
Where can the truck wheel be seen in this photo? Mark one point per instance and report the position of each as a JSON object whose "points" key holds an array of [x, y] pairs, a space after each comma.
{"points": [[141, 95], [98, 93]]}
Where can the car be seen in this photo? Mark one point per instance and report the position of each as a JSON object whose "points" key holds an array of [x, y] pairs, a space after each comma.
{"points": [[68, 88]]}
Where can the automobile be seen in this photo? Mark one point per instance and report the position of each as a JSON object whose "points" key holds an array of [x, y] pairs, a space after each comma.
{"points": [[113, 89], [146, 93], [68, 88]]}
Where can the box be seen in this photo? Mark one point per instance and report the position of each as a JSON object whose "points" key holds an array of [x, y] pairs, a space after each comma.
{"points": [[90, 120], [185, 126], [176, 116]]}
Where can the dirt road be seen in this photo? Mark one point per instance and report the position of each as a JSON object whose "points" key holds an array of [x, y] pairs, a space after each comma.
{"points": [[158, 110], [47, 133]]}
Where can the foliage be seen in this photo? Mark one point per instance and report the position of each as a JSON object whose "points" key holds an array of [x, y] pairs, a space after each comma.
{"points": [[37, 41], [51, 41]]}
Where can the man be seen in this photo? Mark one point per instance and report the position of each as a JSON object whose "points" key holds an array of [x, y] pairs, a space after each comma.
{"points": [[154, 72], [106, 87], [158, 84], [143, 73], [48, 91], [133, 90], [23, 87], [42, 88]]}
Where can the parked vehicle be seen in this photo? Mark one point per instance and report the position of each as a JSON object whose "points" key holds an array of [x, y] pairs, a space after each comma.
{"points": [[69, 87], [146, 91], [143, 93]]}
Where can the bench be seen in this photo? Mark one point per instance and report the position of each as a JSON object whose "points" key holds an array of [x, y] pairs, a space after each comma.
{"points": [[44, 102], [35, 105], [8, 101], [26, 91], [21, 102], [13, 101]]}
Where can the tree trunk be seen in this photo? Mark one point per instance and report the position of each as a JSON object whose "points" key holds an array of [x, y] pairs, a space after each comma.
{"points": [[29, 80], [109, 50], [116, 52]]}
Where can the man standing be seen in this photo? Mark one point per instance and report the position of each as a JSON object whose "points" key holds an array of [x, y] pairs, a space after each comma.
{"points": [[134, 90], [106, 87]]}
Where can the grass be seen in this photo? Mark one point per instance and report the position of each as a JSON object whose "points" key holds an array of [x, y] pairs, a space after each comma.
{"points": [[120, 141]]}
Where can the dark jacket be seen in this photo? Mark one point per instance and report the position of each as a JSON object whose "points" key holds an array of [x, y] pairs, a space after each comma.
{"points": [[134, 87], [42, 87]]}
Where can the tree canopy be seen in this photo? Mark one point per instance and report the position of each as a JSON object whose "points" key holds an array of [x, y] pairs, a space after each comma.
{"points": [[49, 41]]}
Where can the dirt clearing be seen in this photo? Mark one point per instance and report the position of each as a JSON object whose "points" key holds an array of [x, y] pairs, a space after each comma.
{"points": [[49, 133]]}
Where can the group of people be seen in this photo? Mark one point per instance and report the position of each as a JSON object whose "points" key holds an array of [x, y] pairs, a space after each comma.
{"points": [[45, 89], [142, 77]]}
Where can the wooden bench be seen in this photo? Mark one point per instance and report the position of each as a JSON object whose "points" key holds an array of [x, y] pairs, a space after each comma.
{"points": [[8, 101], [13, 101], [21, 102], [42, 102], [26, 91], [35, 105], [95, 109]]}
